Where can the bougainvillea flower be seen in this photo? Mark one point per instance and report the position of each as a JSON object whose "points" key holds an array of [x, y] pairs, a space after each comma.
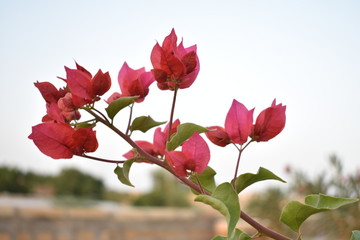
{"points": [[59, 103], [161, 136], [133, 83], [59, 140], [54, 114], [218, 136], [66, 103], [63, 111], [146, 146], [239, 122], [83, 87], [269, 123], [174, 66], [193, 157]]}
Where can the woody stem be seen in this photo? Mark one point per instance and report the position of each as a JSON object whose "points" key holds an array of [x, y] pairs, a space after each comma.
{"points": [[186, 181]]}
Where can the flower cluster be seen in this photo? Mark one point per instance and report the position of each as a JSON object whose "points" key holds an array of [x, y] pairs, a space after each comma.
{"points": [[239, 125], [61, 135], [55, 137], [174, 66]]}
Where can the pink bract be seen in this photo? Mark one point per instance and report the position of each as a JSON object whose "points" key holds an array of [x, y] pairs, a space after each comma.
{"points": [[49, 91], [269, 123], [238, 122], [218, 136]]}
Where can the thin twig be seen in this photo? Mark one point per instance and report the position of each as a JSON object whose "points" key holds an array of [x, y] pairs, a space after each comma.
{"points": [[101, 159], [237, 168], [130, 117], [172, 113], [104, 117], [199, 183], [241, 149]]}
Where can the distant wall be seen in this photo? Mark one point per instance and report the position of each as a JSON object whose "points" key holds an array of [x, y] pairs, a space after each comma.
{"points": [[93, 224]]}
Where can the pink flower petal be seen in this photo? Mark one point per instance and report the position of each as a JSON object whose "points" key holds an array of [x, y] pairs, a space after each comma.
{"points": [[101, 83], [113, 97], [198, 153], [238, 122], [218, 136], [84, 140], [269, 123], [53, 139], [79, 83], [170, 41], [178, 161], [48, 91], [159, 141]]}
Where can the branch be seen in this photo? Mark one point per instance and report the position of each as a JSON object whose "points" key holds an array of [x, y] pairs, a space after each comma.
{"points": [[261, 228]]}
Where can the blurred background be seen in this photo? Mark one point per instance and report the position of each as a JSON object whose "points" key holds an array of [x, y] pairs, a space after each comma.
{"points": [[167, 209], [305, 54]]}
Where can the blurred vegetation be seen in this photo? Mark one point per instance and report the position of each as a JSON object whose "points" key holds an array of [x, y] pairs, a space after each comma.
{"points": [[16, 181], [332, 181], [71, 186], [70, 182], [166, 191]]}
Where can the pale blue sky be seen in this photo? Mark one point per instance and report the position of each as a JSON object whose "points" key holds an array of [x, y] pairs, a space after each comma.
{"points": [[304, 53]]}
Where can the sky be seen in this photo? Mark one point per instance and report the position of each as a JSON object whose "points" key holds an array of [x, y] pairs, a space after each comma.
{"points": [[306, 54]]}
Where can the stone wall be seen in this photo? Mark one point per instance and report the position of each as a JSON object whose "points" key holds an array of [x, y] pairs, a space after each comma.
{"points": [[95, 224]]}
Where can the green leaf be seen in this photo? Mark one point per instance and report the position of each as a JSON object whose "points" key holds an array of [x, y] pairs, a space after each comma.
{"points": [[355, 235], [207, 180], [327, 202], [219, 238], [295, 213], [239, 235], [226, 201], [246, 179], [118, 104], [236, 235], [184, 132], [85, 125], [144, 123], [123, 172]]}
